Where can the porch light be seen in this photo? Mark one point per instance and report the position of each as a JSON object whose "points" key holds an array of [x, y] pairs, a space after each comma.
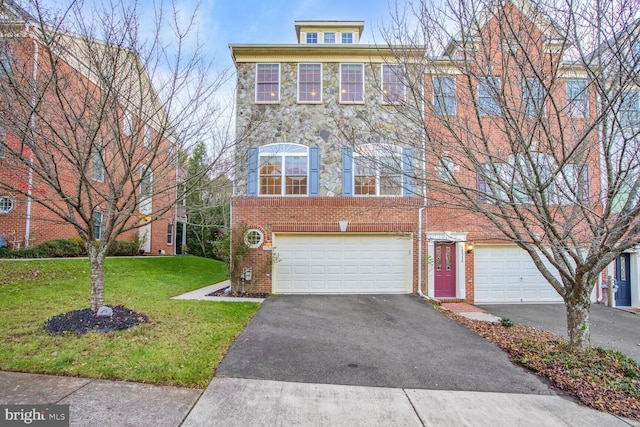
{"points": [[469, 247], [343, 226]]}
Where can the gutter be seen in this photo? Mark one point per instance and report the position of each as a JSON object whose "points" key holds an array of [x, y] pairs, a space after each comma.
{"points": [[27, 225]]}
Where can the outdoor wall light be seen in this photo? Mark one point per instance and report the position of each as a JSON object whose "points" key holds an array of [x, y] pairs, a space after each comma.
{"points": [[469, 247], [343, 226]]}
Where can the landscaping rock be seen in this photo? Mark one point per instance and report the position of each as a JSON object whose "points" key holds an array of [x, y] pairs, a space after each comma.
{"points": [[104, 311]]}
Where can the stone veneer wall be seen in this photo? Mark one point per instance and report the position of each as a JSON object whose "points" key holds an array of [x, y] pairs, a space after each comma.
{"points": [[314, 124]]}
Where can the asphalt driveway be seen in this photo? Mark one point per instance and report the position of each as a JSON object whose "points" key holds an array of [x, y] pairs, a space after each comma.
{"points": [[611, 328], [396, 341]]}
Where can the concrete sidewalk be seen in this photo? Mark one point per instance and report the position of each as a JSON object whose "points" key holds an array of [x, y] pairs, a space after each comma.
{"points": [[244, 402]]}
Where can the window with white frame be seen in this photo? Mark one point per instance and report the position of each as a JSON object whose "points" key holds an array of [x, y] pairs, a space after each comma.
{"points": [[577, 99], [488, 87], [532, 96], [170, 234], [127, 123], [3, 143], [146, 183], [351, 83], [284, 170], [312, 38], [377, 172], [310, 83], [253, 238], [347, 38], [629, 112], [97, 163], [444, 95], [5, 59], [329, 38], [147, 136], [6, 204], [445, 169], [97, 219], [267, 82], [393, 90]]}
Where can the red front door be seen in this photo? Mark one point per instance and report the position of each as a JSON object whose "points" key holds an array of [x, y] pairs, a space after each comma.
{"points": [[444, 264]]}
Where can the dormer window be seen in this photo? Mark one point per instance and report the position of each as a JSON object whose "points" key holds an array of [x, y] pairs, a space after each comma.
{"points": [[347, 38], [312, 38], [329, 38]]}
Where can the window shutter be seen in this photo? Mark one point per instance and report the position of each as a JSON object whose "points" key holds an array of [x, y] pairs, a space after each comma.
{"points": [[481, 185], [314, 171], [583, 184], [347, 171], [407, 172], [252, 178]]}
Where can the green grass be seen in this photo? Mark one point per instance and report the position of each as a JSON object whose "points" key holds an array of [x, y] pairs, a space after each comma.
{"points": [[181, 345]]}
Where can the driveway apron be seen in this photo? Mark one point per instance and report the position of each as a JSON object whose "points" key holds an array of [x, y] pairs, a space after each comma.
{"points": [[397, 341]]}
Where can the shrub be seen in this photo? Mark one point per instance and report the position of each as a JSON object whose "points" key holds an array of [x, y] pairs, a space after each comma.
{"points": [[59, 248], [506, 322], [122, 248], [20, 253]]}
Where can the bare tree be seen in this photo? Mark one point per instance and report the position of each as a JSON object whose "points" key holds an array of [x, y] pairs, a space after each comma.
{"points": [[91, 138], [530, 121]]}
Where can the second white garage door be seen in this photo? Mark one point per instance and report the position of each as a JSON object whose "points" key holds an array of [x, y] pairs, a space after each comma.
{"points": [[342, 263], [506, 273]]}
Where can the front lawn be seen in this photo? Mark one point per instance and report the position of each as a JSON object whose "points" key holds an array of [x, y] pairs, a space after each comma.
{"points": [[181, 345]]}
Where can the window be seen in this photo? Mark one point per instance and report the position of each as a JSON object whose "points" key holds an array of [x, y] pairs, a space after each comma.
{"points": [[5, 59], [147, 136], [3, 144], [268, 83], [532, 96], [577, 100], [351, 83], [445, 169], [97, 164], [629, 113], [347, 38], [329, 38], [487, 102], [97, 224], [146, 182], [169, 234], [283, 170], [309, 83], [377, 175], [312, 38], [444, 95], [393, 90], [127, 123], [253, 238], [6, 204]]}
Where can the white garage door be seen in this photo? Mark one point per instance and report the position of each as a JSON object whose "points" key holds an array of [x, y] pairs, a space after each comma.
{"points": [[505, 273], [342, 263]]}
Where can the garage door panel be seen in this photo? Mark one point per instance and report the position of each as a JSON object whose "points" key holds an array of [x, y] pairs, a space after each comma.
{"points": [[342, 263], [507, 274]]}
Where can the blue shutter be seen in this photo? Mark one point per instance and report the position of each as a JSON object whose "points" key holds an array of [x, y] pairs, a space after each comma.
{"points": [[347, 171], [407, 172], [314, 171], [252, 178]]}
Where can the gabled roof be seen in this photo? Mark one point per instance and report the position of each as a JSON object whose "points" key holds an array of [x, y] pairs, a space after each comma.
{"points": [[544, 23]]}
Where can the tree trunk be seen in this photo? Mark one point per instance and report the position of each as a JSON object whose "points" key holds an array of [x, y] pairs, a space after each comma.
{"points": [[578, 321], [96, 260]]}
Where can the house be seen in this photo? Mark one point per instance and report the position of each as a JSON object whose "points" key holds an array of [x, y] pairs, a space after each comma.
{"points": [[311, 210], [61, 167]]}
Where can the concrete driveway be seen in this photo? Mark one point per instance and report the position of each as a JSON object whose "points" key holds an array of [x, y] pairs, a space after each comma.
{"points": [[611, 328], [396, 341]]}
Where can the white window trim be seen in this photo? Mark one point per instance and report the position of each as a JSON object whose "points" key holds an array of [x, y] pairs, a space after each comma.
{"points": [[482, 110], [578, 113], [319, 101], [253, 245], [342, 37], [99, 151], [382, 83], [324, 37], [283, 153], [127, 123], [100, 225], [148, 136], [363, 86], [277, 101], [12, 204], [386, 151], [436, 106], [309, 35]]}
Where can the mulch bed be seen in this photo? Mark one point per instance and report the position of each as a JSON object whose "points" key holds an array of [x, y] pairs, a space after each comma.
{"points": [[82, 321], [224, 292]]}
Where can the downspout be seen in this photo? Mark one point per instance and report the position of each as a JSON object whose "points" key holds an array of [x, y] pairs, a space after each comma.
{"points": [[27, 225]]}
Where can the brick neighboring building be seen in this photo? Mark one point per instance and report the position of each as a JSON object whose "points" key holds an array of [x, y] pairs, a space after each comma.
{"points": [[26, 201], [303, 192]]}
